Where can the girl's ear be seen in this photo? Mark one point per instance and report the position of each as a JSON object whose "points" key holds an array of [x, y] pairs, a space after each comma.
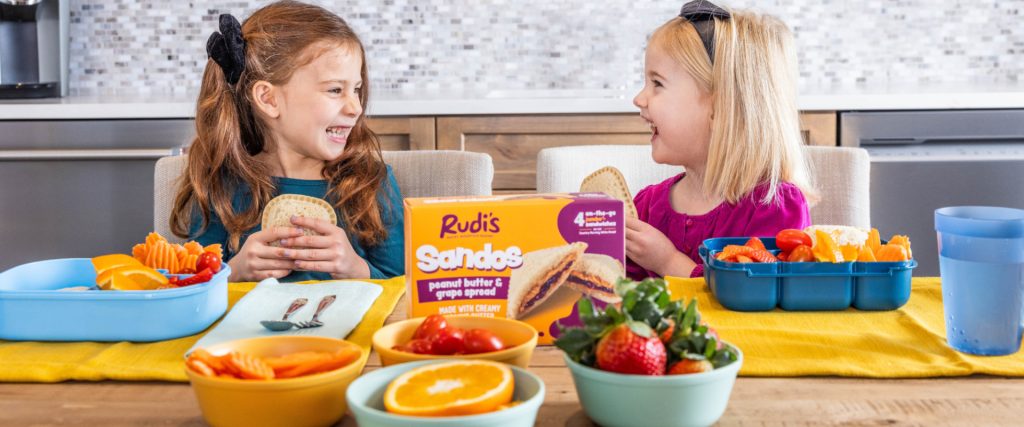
{"points": [[264, 98]]}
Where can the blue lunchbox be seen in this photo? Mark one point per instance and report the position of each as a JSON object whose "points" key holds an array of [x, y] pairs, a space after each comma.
{"points": [[32, 308], [804, 286]]}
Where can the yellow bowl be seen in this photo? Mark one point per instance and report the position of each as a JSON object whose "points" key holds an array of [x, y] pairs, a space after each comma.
{"points": [[313, 400], [520, 339]]}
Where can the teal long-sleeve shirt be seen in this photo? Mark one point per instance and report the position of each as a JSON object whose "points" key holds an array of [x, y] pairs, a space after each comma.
{"points": [[386, 259]]}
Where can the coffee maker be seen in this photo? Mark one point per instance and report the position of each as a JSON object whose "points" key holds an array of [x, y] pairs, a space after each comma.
{"points": [[33, 48]]}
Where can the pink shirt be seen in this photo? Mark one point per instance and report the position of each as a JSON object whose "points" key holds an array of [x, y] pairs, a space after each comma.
{"points": [[746, 218]]}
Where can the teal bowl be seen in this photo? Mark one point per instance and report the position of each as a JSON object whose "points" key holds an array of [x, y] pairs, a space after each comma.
{"points": [[365, 398], [619, 400]]}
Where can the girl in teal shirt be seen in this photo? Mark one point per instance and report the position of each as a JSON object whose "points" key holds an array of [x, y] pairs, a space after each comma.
{"points": [[280, 111]]}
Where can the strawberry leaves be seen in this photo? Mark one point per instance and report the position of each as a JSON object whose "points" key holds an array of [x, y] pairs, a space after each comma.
{"points": [[648, 310]]}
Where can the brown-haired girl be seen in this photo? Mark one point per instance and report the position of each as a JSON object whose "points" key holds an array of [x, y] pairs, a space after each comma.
{"points": [[280, 111]]}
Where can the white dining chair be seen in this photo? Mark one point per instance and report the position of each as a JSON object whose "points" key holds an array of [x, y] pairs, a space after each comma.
{"points": [[841, 175], [423, 173]]}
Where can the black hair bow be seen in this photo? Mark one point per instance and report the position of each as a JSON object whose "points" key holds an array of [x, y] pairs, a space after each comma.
{"points": [[701, 14], [227, 48]]}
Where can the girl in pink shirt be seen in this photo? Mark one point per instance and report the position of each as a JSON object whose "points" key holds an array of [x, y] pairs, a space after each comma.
{"points": [[720, 96]]}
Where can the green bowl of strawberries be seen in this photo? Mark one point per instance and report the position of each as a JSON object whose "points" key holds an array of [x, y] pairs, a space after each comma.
{"points": [[649, 361]]}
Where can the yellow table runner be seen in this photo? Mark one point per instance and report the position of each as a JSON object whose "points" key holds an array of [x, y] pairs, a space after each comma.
{"points": [[92, 361], [906, 343]]}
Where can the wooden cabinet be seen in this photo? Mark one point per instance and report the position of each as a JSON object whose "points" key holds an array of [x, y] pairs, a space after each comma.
{"points": [[404, 133], [819, 128], [514, 141]]}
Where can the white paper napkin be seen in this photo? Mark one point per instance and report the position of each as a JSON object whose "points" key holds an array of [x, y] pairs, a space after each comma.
{"points": [[270, 299]]}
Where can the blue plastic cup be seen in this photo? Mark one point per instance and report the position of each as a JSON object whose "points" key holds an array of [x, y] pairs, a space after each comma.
{"points": [[981, 261]]}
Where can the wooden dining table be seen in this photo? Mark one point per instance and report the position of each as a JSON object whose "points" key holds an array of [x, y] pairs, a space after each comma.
{"points": [[974, 400]]}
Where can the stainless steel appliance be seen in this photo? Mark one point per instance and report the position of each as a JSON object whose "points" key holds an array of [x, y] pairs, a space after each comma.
{"points": [[79, 188], [923, 160], [34, 48]]}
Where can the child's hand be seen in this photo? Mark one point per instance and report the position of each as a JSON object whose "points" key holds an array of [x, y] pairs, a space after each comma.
{"points": [[651, 249], [330, 252], [257, 260]]}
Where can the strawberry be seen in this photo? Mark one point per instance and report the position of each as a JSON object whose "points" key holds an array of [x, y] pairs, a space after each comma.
{"points": [[755, 243], [666, 335], [690, 366], [644, 334], [627, 352]]}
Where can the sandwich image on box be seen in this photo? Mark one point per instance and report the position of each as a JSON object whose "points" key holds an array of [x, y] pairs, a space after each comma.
{"points": [[526, 257], [596, 275]]}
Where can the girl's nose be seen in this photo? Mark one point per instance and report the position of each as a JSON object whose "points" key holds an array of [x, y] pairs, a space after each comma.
{"points": [[640, 100], [352, 107]]}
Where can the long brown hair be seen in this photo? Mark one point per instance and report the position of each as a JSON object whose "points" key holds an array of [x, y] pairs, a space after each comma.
{"points": [[278, 37]]}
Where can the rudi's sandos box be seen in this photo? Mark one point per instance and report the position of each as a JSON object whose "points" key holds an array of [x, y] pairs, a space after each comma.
{"points": [[527, 257]]}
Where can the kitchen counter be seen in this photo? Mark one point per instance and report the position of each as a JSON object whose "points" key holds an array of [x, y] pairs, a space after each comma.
{"points": [[554, 101]]}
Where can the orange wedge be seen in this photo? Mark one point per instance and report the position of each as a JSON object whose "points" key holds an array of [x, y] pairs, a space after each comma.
{"points": [[874, 240], [850, 252], [825, 249], [447, 389], [134, 278], [865, 254], [105, 263]]}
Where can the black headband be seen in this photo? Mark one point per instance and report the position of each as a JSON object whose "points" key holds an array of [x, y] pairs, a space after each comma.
{"points": [[227, 48], [701, 14]]}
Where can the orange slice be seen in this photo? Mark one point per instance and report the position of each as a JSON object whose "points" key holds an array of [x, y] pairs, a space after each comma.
{"points": [[866, 255], [454, 388], [850, 252], [135, 278], [105, 263], [825, 249]]}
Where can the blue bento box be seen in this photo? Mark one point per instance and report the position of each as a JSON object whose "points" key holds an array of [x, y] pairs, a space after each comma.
{"points": [[804, 286], [33, 309]]}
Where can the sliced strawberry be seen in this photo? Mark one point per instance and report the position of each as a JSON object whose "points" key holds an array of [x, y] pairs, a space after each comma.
{"points": [[758, 255], [666, 335], [755, 243], [690, 366]]}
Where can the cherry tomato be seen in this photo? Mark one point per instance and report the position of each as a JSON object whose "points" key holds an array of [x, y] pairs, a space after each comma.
{"points": [[448, 341], [801, 253], [789, 239], [430, 327], [417, 346], [482, 341], [208, 260]]}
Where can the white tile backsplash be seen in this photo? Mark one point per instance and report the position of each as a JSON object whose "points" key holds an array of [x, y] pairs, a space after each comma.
{"points": [[467, 46]]}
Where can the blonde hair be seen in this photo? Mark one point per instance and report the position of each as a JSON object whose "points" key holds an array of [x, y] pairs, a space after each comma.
{"points": [[755, 134]]}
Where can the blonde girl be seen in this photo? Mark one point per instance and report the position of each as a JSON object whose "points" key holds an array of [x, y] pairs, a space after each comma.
{"points": [[720, 96]]}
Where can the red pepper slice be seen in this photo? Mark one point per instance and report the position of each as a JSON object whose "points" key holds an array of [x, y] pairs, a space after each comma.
{"points": [[200, 277]]}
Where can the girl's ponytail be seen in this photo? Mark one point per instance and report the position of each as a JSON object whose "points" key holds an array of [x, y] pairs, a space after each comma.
{"points": [[217, 161]]}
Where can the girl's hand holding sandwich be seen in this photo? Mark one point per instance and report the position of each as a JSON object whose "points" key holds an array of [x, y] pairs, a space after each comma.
{"points": [[329, 252], [651, 249]]}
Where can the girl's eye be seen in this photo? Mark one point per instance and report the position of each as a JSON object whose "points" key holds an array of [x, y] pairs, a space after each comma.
{"points": [[656, 83], [336, 91]]}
